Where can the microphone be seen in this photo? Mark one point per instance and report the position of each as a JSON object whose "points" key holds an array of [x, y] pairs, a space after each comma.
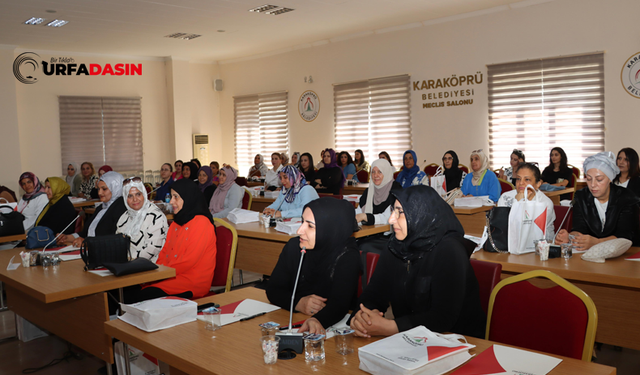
{"points": [[562, 223], [61, 232], [291, 342]]}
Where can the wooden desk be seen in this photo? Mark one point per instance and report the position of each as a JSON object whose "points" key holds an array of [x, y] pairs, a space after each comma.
{"points": [[15, 237], [255, 183], [474, 219], [581, 183], [258, 204], [259, 247], [190, 349], [67, 301], [89, 203], [614, 287], [357, 189], [555, 195]]}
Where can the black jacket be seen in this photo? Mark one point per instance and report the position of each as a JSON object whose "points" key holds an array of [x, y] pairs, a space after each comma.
{"points": [[109, 222], [622, 219], [634, 186], [378, 209], [332, 180], [59, 216]]}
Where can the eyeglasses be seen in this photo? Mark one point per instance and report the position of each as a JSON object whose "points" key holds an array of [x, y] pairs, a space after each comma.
{"points": [[397, 211], [130, 180]]}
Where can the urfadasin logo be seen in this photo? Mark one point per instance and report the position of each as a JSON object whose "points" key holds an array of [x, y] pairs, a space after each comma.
{"points": [[25, 67], [630, 75]]}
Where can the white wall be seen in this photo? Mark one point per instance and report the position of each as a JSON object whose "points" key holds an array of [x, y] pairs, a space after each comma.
{"points": [[10, 159], [562, 27]]}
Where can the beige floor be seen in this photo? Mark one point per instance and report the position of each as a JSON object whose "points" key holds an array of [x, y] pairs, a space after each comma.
{"points": [[16, 356]]}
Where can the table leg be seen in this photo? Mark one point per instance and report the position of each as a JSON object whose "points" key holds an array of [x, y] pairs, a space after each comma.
{"points": [[125, 347]]}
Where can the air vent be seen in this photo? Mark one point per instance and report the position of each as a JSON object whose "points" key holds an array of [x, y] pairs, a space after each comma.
{"points": [[263, 8], [201, 139], [183, 36], [278, 11]]}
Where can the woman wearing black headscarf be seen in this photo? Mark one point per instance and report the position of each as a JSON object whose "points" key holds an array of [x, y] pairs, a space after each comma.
{"points": [[425, 276], [190, 171], [329, 275], [452, 174]]}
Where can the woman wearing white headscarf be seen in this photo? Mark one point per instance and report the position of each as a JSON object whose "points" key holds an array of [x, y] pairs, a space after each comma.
{"points": [[603, 211], [143, 222], [106, 217], [259, 169], [228, 195], [481, 181], [73, 178]]}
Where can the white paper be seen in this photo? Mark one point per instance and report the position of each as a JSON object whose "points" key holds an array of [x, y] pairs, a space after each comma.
{"points": [[76, 199], [102, 273], [517, 361], [65, 249], [289, 227], [240, 216], [472, 202], [12, 266], [245, 309], [65, 258]]}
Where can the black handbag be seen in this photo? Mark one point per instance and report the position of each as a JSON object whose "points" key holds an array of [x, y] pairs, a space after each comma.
{"points": [[96, 251], [10, 221], [498, 236], [134, 266]]}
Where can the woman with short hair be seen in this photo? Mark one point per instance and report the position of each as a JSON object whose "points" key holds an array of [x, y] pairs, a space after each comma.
{"points": [[89, 180]]}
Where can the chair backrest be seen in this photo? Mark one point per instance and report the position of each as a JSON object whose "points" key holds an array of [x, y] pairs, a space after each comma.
{"points": [[371, 261], [488, 275], [8, 194], [337, 196], [80, 222], [572, 184], [241, 181], [431, 169], [464, 168], [226, 245], [247, 199], [363, 176], [505, 185], [560, 211], [561, 320], [576, 170], [395, 175]]}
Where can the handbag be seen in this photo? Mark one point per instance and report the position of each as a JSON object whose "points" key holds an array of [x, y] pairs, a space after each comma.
{"points": [[134, 266], [96, 251], [39, 237], [498, 230], [10, 221]]}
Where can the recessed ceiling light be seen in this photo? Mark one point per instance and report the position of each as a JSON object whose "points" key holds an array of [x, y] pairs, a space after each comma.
{"points": [[263, 8], [184, 36], [278, 11], [34, 21], [57, 23]]}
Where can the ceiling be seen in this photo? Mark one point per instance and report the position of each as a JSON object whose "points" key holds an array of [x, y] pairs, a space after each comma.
{"points": [[139, 27]]}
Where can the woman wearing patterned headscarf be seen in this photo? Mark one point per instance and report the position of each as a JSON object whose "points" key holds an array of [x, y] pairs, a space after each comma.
{"points": [[106, 217], [228, 195], [481, 181], [604, 211], [60, 211], [329, 179], [294, 196], [259, 169], [33, 200], [411, 175], [143, 222]]}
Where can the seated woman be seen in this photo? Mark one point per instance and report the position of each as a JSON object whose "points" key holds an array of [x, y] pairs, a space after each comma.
{"points": [[360, 163], [329, 179], [385, 155], [193, 257], [215, 170], [33, 200], [529, 174], [306, 167], [604, 211], [321, 162], [190, 171], [329, 275], [453, 175], [425, 276], [89, 180], [348, 168], [375, 202], [509, 173], [294, 196], [104, 169], [558, 172], [259, 169], [629, 176], [411, 175], [205, 183], [295, 159], [481, 181], [272, 179], [105, 219], [228, 195], [73, 178], [164, 191], [143, 221], [177, 175], [59, 212]]}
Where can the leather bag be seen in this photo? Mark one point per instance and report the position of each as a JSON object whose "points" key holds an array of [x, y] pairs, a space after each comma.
{"points": [[96, 251], [39, 237], [10, 221], [498, 236]]}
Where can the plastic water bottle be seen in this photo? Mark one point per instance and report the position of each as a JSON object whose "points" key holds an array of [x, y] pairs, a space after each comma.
{"points": [[167, 198]]}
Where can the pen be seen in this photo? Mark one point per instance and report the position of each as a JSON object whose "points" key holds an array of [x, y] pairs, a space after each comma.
{"points": [[293, 326], [252, 316]]}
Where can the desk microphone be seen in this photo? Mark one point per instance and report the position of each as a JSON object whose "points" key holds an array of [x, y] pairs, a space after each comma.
{"points": [[291, 342], [61, 232], [272, 222]]}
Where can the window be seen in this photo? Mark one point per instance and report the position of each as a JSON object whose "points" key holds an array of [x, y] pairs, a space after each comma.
{"points": [[103, 131], [261, 127], [537, 105], [374, 116]]}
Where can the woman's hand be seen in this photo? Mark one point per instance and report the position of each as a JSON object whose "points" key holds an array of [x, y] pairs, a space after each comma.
{"points": [[583, 242], [311, 304], [361, 217], [64, 239], [369, 323], [318, 181], [80, 195], [501, 173], [562, 237], [78, 242], [269, 211], [312, 325]]}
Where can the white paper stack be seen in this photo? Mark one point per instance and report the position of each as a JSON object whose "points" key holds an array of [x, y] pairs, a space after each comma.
{"points": [[289, 227], [473, 202], [240, 216], [271, 194], [159, 313], [76, 199]]}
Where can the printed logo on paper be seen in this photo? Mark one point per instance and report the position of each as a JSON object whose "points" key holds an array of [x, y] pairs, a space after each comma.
{"points": [[309, 106], [630, 75]]}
